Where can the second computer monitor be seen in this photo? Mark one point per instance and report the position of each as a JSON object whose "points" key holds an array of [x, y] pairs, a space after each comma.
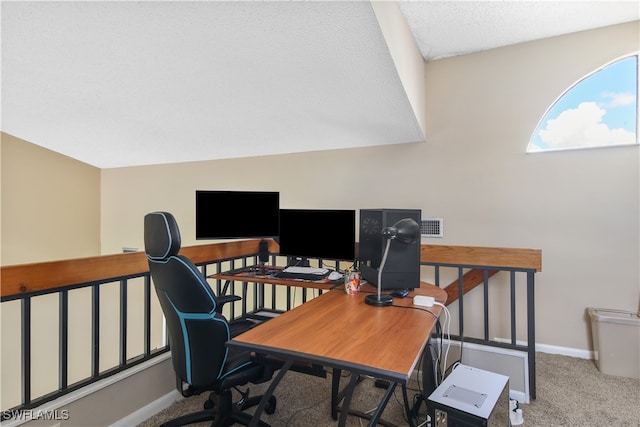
{"points": [[318, 233], [237, 214]]}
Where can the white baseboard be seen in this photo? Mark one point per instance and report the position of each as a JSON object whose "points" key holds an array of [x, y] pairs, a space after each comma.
{"points": [[555, 349], [148, 410], [565, 351]]}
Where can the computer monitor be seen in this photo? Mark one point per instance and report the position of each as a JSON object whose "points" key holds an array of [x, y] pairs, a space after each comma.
{"points": [[318, 233], [237, 214]]}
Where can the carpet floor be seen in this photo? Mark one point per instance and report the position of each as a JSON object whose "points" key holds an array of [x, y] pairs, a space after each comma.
{"points": [[570, 392]]}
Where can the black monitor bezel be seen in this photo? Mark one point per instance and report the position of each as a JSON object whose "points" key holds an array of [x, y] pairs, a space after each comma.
{"points": [[233, 206], [334, 227]]}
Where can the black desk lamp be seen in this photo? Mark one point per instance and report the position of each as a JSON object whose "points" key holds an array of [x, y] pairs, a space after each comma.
{"points": [[404, 231]]}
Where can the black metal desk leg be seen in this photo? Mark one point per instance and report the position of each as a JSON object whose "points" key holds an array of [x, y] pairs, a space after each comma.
{"points": [[344, 412], [408, 410], [335, 392], [267, 395], [383, 404]]}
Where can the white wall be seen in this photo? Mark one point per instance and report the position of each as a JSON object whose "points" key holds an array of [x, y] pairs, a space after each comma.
{"points": [[580, 207]]}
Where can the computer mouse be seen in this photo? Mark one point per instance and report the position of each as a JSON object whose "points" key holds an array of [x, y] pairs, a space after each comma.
{"points": [[400, 293]]}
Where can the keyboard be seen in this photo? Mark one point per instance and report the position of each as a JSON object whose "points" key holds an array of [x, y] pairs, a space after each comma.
{"points": [[303, 273]]}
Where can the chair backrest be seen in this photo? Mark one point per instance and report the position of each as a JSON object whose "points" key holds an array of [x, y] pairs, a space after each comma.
{"points": [[197, 334]]}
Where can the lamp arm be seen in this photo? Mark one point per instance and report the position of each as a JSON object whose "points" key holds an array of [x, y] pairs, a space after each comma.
{"points": [[384, 260]]}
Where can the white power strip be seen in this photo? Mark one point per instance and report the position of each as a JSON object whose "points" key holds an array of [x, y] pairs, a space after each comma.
{"points": [[423, 300]]}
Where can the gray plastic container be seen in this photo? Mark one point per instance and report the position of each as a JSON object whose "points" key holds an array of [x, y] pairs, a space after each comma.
{"points": [[616, 341]]}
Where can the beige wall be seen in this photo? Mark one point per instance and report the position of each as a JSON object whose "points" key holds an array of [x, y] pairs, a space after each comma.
{"points": [[50, 205], [580, 207]]}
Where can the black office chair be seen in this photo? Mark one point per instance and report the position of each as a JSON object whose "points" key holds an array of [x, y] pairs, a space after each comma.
{"points": [[198, 332]]}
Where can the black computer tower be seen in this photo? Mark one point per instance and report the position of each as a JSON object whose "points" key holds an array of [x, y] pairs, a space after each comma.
{"points": [[402, 267]]}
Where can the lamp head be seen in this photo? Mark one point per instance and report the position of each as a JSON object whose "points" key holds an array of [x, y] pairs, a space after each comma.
{"points": [[406, 231]]}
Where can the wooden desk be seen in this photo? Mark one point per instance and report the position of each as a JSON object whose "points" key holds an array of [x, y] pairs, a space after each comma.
{"points": [[342, 332], [253, 277]]}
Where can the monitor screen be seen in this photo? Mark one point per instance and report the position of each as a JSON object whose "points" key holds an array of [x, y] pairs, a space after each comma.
{"points": [[318, 233], [237, 214]]}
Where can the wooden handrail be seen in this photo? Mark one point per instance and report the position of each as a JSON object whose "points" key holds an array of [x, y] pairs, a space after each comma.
{"points": [[37, 277], [526, 259]]}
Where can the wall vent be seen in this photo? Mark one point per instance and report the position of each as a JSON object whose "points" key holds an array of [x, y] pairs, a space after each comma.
{"points": [[432, 227]]}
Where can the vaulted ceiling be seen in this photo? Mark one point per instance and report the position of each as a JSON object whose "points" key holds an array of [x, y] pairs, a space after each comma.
{"points": [[133, 83]]}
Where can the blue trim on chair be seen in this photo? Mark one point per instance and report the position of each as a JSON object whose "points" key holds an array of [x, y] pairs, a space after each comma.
{"points": [[237, 368], [197, 316]]}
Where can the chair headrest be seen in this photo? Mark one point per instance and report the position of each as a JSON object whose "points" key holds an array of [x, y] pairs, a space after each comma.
{"points": [[161, 235]]}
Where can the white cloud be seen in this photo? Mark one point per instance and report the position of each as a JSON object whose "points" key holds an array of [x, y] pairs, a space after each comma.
{"points": [[619, 99], [583, 127]]}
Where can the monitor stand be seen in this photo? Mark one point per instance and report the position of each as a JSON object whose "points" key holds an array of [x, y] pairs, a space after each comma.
{"points": [[263, 256], [263, 251]]}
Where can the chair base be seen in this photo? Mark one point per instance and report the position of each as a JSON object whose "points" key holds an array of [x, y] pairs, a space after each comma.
{"points": [[220, 409]]}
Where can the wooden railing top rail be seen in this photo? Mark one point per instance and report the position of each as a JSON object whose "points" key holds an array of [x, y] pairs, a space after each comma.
{"points": [[525, 259], [38, 277]]}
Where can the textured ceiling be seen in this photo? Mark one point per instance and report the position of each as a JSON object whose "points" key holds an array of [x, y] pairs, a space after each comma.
{"points": [[132, 83], [448, 28]]}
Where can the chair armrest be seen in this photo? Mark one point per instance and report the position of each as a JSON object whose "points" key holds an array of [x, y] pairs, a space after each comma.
{"points": [[223, 299]]}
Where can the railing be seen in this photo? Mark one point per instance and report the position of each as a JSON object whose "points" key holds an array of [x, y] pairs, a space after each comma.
{"points": [[26, 282], [474, 266]]}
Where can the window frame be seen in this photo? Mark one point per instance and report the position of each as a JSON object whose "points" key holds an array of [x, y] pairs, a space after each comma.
{"points": [[544, 117]]}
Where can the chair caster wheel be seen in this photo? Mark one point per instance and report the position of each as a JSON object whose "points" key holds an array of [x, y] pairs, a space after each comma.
{"points": [[208, 405], [271, 406]]}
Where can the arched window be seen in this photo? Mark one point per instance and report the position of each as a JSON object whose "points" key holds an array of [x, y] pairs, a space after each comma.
{"points": [[601, 110]]}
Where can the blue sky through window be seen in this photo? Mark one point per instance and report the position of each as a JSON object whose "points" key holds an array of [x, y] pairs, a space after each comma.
{"points": [[601, 110]]}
